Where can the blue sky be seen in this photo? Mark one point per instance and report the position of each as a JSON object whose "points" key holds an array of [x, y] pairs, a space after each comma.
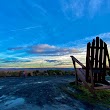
{"points": [[44, 33]]}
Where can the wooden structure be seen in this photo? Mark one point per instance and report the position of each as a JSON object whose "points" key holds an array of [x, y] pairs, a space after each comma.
{"points": [[96, 66]]}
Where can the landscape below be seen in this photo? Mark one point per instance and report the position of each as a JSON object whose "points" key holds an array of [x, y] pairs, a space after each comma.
{"points": [[18, 72], [60, 81]]}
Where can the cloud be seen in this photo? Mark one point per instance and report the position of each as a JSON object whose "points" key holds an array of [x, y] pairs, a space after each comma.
{"points": [[52, 61], [23, 29], [63, 63], [13, 60], [72, 9], [94, 6], [43, 11], [16, 48], [60, 62], [49, 50], [83, 42]]}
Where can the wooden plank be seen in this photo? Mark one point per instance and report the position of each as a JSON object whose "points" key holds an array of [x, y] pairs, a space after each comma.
{"points": [[96, 47], [77, 61], [102, 87], [98, 69], [82, 78], [108, 58], [96, 59], [104, 63], [92, 53], [76, 77], [90, 72], [100, 61], [87, 65]]}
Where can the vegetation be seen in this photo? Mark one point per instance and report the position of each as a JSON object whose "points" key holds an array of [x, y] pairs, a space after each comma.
{"points": [[34, 73], [101, 97]]}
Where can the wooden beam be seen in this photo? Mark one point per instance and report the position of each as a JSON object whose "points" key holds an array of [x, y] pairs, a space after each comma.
{"points": [[102, 87], [76, 77], [91, 73], [74, 59]]}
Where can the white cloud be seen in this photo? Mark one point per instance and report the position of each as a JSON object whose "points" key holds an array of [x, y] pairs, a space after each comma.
{"points": [[43, 11], [25, 28], [94, 6], [50, 50], [46, 50], [81, 44], [72, 9]]}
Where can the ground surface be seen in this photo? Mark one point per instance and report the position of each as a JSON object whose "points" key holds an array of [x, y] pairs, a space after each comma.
{"points": [[39, 93]]}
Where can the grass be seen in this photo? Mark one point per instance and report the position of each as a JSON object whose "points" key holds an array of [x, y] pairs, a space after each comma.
{"points": [[101, 97]]}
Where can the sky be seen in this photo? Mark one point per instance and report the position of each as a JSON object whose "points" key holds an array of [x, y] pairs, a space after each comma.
{"points": [[44, 33]]}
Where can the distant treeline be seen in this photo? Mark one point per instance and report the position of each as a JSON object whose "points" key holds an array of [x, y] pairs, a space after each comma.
{"points": [[35, 73]]}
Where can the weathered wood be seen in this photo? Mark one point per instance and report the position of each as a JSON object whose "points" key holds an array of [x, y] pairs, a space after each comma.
{"points": [[92, 53], [108, 58], [96, 47], [104, 63], [82, 78], [76, 77], [96, 57], [87, 65], [100, 60], [74, 59], [102, 87], [92, 59], [91, 73], [97, 53]]}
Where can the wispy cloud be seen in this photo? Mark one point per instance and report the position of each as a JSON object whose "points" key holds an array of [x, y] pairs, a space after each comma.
{"points": [[14, 60], [22, 29], [84, 41], [47, 50], [52, 61], [16, 48], [42, 10], [73, 9], [94, 6], [26, 28]]}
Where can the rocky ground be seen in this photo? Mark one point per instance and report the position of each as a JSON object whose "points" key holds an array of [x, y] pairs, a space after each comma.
{"points": [[39, 93]]}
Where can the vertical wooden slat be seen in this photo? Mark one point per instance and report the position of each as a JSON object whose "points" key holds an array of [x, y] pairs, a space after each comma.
{"points": [[100, 61], [104, 62], [108, 58], [92, 53], [92, 57], [87, 65], [91, 73], [96, 59]]}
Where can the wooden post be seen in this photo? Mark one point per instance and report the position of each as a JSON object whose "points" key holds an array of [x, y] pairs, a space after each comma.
{"points": [[87, 65], [96, 59], [92, 82], [75, 60], [100, 61], [92, 58], [104, 62], [76, 77]]}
